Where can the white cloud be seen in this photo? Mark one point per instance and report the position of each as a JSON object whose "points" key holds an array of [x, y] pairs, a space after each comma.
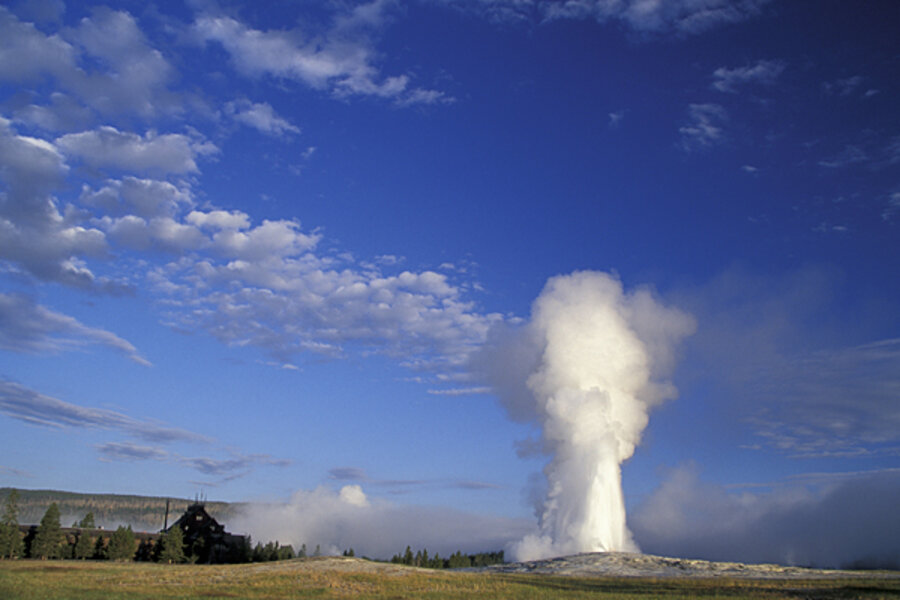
{"points": [[219, 219], [340, 59], [850, 155], [146, 198], [843, 520], [108, 147], [260, 116], [763, 72], [843, 87], [106, 61], [33, 231], [654, 16], [26, 53], [704, 128], [615, 118]]}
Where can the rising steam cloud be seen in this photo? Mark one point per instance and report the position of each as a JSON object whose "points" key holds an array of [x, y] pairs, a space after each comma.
{"points": [[587, 368]]}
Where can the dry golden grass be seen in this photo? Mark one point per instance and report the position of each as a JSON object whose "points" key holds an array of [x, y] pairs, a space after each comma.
{"points": [[342, 578]]}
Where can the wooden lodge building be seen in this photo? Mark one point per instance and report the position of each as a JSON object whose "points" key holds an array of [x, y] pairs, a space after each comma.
{"points": [[206, 539]]}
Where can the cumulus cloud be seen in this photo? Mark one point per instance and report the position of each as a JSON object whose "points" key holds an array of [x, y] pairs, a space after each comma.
{"points": [[260, 116], [340, 59], [105, 61], [337, 520], [107, 147], [145, 198], [831, 520], [29, 406], [704, 128], [34, 233], [25, 326], [763, 72]]}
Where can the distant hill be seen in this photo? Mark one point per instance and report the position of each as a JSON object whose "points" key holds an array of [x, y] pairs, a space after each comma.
{"points": [[143, 513]]}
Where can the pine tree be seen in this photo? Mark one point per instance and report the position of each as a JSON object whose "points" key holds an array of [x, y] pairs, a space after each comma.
{"points": [[318, 551], [302, 552], [48, 538], [11, 544], [172, 544], [87, 522], [121, 544], [84, 547]]}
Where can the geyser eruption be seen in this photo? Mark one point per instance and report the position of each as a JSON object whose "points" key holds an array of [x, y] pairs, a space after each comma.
{"points": [[599, 360]]}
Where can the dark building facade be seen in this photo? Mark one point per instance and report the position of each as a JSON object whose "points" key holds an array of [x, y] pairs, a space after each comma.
{"points": [[206, 540]]}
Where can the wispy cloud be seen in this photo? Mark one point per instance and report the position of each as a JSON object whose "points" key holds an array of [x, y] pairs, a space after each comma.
{"points": [[339, 59], [704, 128], [763, 72], [29, 406], [673, 16], [398, 486], [261, 116], [834, 398], [26, 326]]}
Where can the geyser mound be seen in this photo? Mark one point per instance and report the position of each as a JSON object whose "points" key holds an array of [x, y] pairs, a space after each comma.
{"points": [[599, 358]]}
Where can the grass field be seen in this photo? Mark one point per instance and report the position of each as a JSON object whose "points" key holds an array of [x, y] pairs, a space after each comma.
{"points": [[70, 580]]}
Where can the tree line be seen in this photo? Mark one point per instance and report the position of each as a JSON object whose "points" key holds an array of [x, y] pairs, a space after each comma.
{"points": [[457, 560], [83, 540]]}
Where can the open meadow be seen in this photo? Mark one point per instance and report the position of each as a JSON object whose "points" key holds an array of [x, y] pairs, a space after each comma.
{"points": [[355, 578]]}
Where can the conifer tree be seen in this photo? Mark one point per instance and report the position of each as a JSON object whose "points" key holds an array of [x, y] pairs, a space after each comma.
{"points": [[172, 544], [302, 552], [121, 544], [11, 543], [84, 546], [48, 538], [87, 522]]}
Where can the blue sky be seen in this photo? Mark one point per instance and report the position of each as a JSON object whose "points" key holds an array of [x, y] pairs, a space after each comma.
{"points": [[255, 249]]}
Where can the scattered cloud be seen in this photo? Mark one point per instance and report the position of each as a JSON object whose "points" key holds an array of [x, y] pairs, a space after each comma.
{"points": [[260, 116], [850, 155], [340, 59], [615, 118], [128, 452], [674, 16], [107, 147], [763, 72], [749, 169], [237, 464], [843, 87], [399, 486], [848, 521], [106, 61], [704, 128], [892, 207], [28, 327], [466, 391]]}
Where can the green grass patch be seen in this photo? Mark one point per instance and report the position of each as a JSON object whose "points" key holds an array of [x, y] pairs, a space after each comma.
{"points": [[42, 580]]}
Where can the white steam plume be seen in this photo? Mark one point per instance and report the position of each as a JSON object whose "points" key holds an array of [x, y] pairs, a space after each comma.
{"points": [[598, 360]]}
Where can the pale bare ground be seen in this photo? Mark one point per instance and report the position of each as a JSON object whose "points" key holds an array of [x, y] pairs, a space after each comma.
{"points": [[596, 564], [627, 564]]}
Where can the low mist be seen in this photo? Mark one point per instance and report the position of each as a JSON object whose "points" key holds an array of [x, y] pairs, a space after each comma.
{"points": [[339, 520], [825, 521]]}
